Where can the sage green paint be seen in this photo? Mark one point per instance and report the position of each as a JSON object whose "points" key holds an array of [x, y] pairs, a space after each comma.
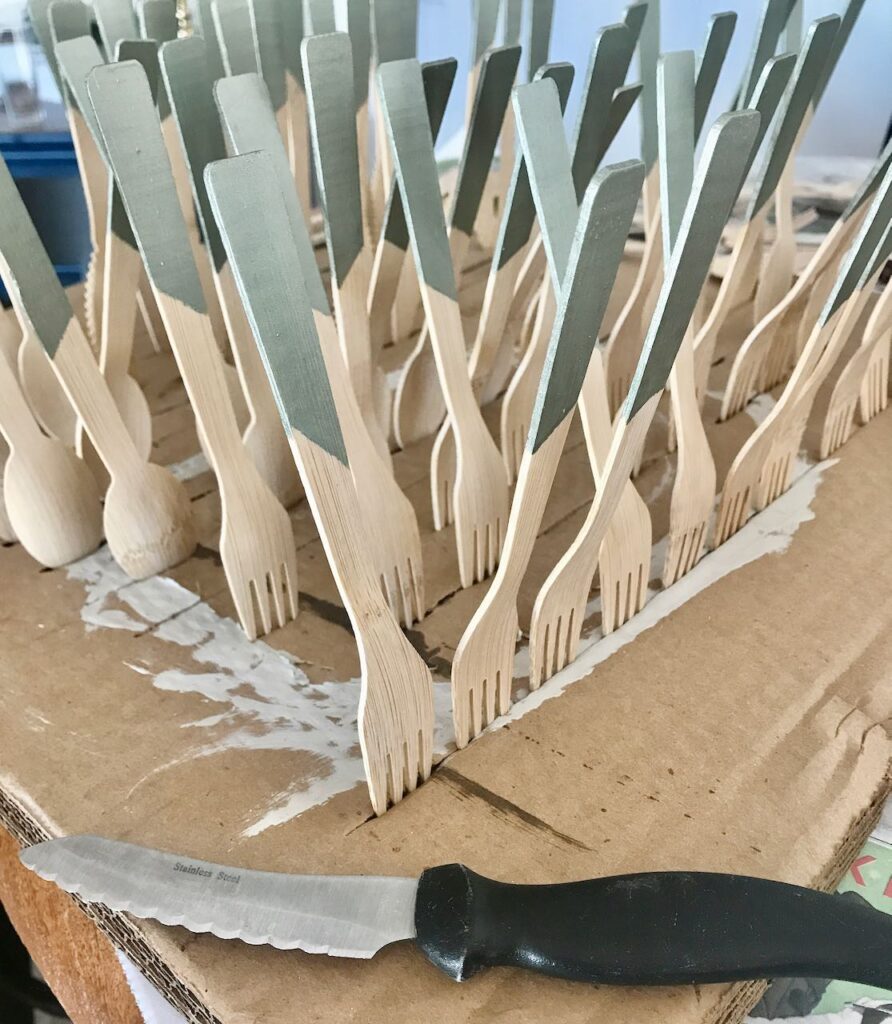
{"points": [[540, 129], [292, 37], [202, 11], [623, 100], [438, 77], [328, 78], [409, 136], [129, 124], [68, 19], [648, 53], [717, 182], [583, 246], [359, 28], [485, 18], [709, 64], [158, 21], [394, 30], [675, 120], [771, 23], [633, 19], [31, 280], [40, 21], [266, 22], [766, 99], [814, 54], [541, 15], [320, 17], [849, 17], [185, 69], [512, 22], [250, 126], [498, 72], [520, 210], [869, 249], [235, 34], [116, 21], [249, 207], [792, 36], [146, 52], [867, 187], [609, 62]]}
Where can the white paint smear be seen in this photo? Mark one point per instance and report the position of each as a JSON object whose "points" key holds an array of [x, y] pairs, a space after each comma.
{"points": [[259, 698]]}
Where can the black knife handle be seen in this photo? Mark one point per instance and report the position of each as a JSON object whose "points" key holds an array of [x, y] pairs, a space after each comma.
{"points": [[659, 928]]}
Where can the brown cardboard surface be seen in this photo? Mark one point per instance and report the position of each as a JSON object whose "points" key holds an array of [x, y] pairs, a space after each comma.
{"points": [[746, 731]]}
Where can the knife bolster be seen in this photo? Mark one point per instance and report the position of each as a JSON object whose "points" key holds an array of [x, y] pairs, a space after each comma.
{"points": [[445, 918]]}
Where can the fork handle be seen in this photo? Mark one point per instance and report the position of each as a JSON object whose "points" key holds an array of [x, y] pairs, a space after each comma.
{"points": [[654, 928]]}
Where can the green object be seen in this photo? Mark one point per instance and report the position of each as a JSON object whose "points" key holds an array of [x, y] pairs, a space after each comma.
{"points": [[266, 23], [709, 64], [394, 30], [359, 28], [867, 187], [116, 21], [539, 37], [320, 17], [158, 20], [207, 29], [775, 14], [485, 18], [675, 118], [235, 33], [648, 54]]}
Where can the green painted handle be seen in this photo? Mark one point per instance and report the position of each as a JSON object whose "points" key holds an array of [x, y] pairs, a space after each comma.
{"points": [[610, 58], [539, 35], [266, 21], [485, 18], [771, 23], [520, 210], [583, 247], [648, 54], [39, 12], [498, 73], [512, 21], [250, 126], [769, 91], [116, 21], [869, 249], [633, 19], [437, 77], [849, 17], [235, 35], [395, 30], [292, 37], [203, 14], [31, 279], [867, 187], [675, 119], [320, 17], [359, 28], [717, 182], [68, 20], [145, 51], [814, 54], [623, 100], [328, 78], [186, 75], [709, 64], [158, 20], [255, 227], [409, 135], [75, 59], [130, 128]]}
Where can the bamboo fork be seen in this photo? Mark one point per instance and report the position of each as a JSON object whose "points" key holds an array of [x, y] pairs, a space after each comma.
{"points": [[419, 407], [798, 312], [761, 471], [396, 703], [50, 496], [864, 379], [482, 669], [393, 242], [395, 551], [328, 78], [147, 519], [186, 75], [298, 140], [256, 543], [480, 494], [611, 54], [559, 610], [123, 266], [787, 120], [624, 553]]}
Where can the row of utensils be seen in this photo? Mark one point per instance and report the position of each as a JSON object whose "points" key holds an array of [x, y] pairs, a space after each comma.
{"points": [[195, 158]]}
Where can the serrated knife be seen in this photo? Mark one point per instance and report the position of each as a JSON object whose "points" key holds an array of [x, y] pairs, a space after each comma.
{"points": [[655, 928]]}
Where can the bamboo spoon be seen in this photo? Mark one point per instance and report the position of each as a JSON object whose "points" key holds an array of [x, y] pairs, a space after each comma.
{"points": [[480, 495], [147, 519], [359, 28], [186, 74], [266, 26], [396, 703], [256, 542], [419, 407], [298, 140], [865, 380], [624, 554], [482, 667], [396, 549], [328, 77], [393, 243], [51, 497], [762, 469], [559, 610], [123, 265], [790, 112], [611, 54]]}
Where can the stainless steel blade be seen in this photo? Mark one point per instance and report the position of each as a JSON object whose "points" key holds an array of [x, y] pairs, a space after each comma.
{"points": [[342, 915]]}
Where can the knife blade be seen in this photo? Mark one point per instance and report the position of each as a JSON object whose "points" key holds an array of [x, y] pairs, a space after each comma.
{"points": [[651, 928]]}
